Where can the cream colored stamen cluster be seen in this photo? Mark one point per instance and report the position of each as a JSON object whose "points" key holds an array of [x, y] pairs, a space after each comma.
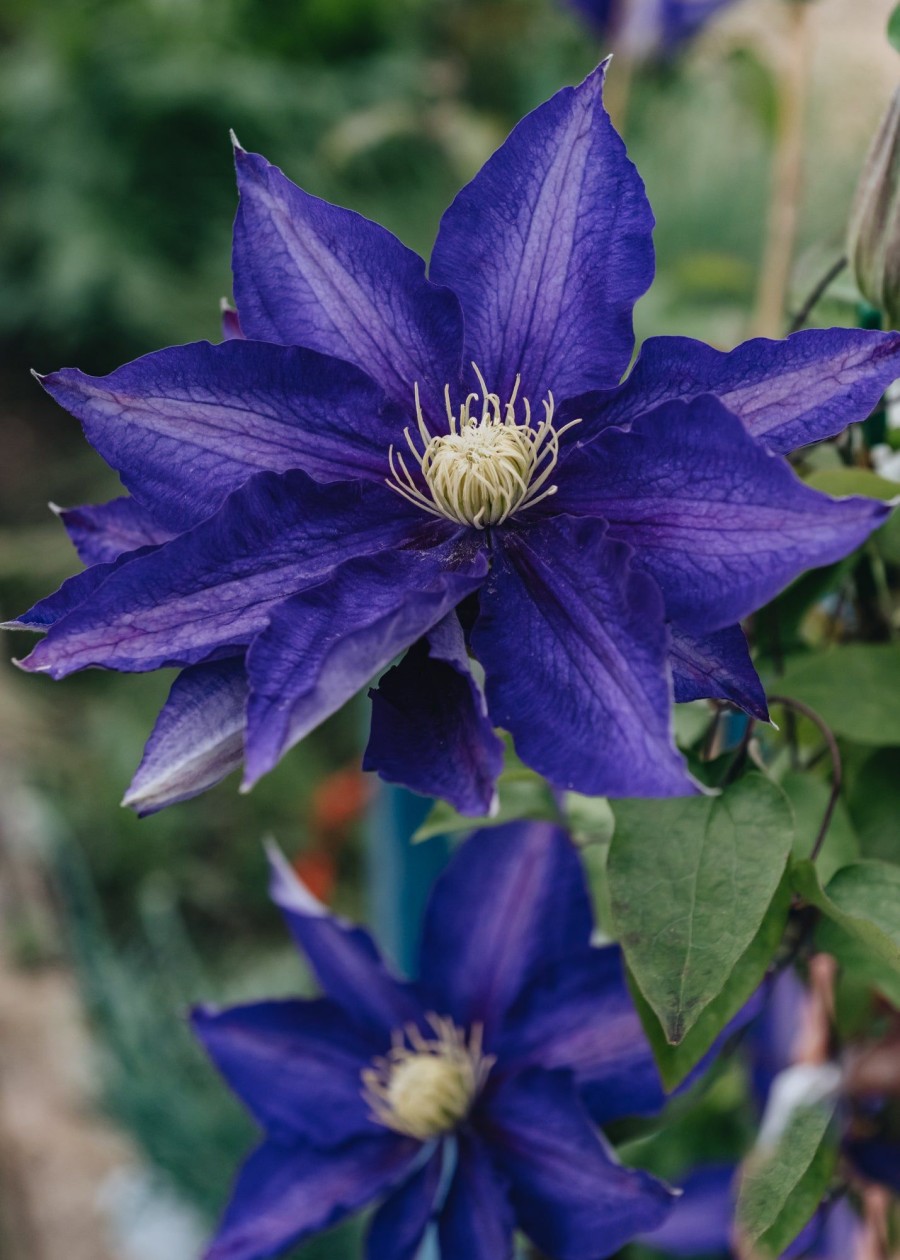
{"points": [[491, 463], [425, 1086]]}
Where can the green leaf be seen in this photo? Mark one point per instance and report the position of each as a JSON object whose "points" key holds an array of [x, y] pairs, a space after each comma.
{"points": [[863, 899], [843, 481], [782, 1186], [859, 966], [854, 689], [589, 818], [887, 539], [893, 29], [676, 1062], [874, 803], [809, 797], [690, 881], [521, 794]]}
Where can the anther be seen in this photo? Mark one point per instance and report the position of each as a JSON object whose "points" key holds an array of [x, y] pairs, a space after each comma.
{"points": [[488, 467], [425, 1086]]}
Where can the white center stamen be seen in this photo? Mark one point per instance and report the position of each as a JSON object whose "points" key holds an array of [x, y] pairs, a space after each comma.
{"points": [[425, 1086], [488, 466]]}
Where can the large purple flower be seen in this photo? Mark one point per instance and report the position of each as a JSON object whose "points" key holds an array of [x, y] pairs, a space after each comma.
{"points": [[383, 462], [649, 28], [467, 1099]]}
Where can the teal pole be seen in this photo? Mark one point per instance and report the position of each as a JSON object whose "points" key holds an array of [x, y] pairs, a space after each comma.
{"points": [[400, 874]]}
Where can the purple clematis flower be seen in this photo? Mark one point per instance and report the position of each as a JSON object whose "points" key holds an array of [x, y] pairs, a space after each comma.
{"points": [[649, 28], [374, 461], [467, 1100]]}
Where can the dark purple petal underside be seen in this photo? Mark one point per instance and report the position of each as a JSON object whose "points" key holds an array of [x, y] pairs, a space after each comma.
{"points": [[430, 727], [322, 646], [716, 666], [198, 738], [102, 532]]}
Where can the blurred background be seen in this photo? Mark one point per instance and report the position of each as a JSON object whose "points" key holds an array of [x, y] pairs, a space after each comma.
{"points": [[116, 1140]]}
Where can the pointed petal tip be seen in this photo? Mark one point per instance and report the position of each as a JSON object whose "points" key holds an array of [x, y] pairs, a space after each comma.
{"points": [[286, 888], [239, 150], [22, 663], [136, 801]]}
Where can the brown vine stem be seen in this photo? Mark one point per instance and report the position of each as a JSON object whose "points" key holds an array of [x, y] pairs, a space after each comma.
{"points": [[817, 293], [787, 173], [837, 771]]}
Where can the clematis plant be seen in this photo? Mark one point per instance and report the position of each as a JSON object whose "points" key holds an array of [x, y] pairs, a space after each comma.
{"points": [[788, 1049], [649, 28], [468, 1098], [452, 468]]}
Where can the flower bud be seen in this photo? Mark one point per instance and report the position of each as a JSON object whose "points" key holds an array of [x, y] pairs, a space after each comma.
{"points": [[873, 240]]}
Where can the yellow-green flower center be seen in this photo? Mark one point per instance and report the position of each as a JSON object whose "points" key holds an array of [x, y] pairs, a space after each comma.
{"points": [[426, 1086], [493, 462]]}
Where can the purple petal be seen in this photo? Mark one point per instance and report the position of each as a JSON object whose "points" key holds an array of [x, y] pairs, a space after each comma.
{"points": [[701, 1221], [430, 727], [295, 1065], [311, 274], [477, 1220], [581, 1016], [101, 533], [400, 1223], [186, 426], [512, 902], [322, 646], [841, 1234], [717, 666], [344, 958], [574, 647], [549, 247], [287, 1193], [722, 524], [570, 1196], [198, 738], [787, 393], [773, 1040], [210, 590]]}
